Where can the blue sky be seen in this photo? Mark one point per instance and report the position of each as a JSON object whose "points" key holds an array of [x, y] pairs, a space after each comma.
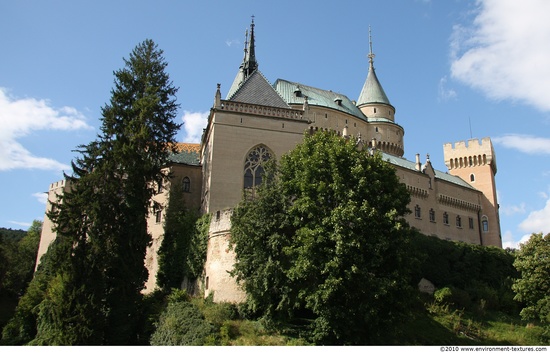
{"points": [[454, 70]]}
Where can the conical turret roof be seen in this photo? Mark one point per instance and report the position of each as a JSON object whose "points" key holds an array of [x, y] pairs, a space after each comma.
{"points": [[372, 91]]}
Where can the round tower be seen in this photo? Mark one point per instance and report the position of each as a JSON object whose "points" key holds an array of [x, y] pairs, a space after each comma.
{"points": [[376, 106]]}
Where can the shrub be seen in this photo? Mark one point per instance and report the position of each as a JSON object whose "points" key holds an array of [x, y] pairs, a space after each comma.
{"points": [[182, 324]]}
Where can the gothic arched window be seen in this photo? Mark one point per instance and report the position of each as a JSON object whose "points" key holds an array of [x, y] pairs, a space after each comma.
{"points": [[253, 166]]}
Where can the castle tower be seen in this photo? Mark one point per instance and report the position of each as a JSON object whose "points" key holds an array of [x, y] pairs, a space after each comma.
{"points": [[376, 106], [476, 164]]}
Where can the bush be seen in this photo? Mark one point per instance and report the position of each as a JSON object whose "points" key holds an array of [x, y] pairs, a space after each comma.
{"points": [[452, 296], [182, 324]]}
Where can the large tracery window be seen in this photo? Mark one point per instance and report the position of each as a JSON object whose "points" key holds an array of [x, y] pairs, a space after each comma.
{"points": [[253, 166]]}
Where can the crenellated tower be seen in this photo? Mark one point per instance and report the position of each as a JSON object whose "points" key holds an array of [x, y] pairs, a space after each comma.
{"points": [[476, 164], [376, 106]]}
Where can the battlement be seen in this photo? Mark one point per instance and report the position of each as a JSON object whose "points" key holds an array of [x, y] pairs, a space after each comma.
{"points": [[472, 145], [470, 154], [57, 184]]}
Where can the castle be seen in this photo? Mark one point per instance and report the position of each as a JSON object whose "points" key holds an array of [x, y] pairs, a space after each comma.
{"points": [[258, 120]]}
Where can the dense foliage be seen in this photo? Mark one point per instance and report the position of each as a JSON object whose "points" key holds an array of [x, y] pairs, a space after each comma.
{"points": [[473, 275], [22, 327], [182, 324], [325, 240], [18, 251], [94, 295], [183, 249], [533, 287]]}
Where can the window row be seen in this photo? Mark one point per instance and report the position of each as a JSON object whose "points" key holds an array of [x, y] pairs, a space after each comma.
{"points": [[458, 219]]}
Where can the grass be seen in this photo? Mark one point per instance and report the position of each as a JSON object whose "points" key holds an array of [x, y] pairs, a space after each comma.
{"points": [[433, 326]]}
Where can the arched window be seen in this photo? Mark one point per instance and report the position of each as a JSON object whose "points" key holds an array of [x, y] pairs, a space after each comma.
{"points": [[186, 184], [472, 177], [253, 166], [484, 224]]}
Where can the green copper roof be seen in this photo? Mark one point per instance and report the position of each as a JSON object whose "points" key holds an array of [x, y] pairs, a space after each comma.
{"points": [[404, 163], [372, 91], [189, 157], [295, 93]]}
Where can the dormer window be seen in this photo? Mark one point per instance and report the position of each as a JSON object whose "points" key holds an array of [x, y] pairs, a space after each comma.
{"points": [[298, 91], [338, 101]]}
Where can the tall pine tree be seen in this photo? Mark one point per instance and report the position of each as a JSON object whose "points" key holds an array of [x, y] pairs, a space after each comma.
{"points": [[96, 297]]}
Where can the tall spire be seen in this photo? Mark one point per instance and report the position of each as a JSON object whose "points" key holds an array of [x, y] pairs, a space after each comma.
{"points": [[372, 91], [249, 64]]}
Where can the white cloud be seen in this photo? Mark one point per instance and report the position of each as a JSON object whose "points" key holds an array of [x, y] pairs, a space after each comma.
{"points": [[193, 124], [22, 224], [19, 117], [513, 209], [232, 42], [445, 93], [505, 52], [524, 143], [537, 221], [41, 197]]}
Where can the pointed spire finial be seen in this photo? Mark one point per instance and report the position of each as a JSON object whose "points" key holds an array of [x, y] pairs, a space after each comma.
{"points": [[250, 64], [245, 45], [371, 54]]}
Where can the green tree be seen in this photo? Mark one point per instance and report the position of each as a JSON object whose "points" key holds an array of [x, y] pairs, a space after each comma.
{"points": [[325, 239], [533, 287], [22, 327], [179, 231], [96, 298], [20, 259]]}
